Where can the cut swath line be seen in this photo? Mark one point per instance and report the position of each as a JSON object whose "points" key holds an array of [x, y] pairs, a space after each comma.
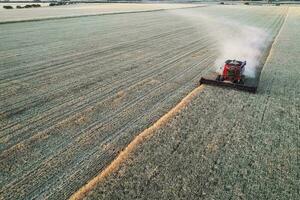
{"points": [[123, 155], [279, 32]]}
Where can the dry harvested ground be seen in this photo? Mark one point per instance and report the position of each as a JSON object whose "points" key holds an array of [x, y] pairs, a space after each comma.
{"points": [[81, 9], [74, 92], [225, 144]]}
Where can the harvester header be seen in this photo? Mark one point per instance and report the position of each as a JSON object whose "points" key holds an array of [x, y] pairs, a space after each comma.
{"points": [[232, 76]]}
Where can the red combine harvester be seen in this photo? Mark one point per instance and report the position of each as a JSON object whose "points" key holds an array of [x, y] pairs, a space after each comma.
{"points": [[232, 76]]}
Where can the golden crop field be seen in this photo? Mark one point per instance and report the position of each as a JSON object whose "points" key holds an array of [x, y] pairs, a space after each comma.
{"points": [[75, 92]]}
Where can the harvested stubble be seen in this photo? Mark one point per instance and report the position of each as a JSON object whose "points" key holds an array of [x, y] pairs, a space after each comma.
{"points": [[225, 144], [70, 103]]}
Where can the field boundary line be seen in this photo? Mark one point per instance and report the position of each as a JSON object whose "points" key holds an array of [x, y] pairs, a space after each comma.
{"points": [[131, 147], [270, 48], [98, 14], [278, 34]]}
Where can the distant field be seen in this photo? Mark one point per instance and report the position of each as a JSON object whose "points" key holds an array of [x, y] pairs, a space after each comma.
{"points": [[74, 92], [80, 9]]}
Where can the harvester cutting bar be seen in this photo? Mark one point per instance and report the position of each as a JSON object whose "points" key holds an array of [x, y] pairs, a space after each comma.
{"points": [[237, 86]]}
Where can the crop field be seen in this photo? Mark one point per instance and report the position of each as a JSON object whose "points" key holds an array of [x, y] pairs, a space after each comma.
{"points": [[226, 144], [74, 92]]}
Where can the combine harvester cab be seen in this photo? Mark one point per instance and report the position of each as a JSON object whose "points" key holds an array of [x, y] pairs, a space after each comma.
{"points": [[232, 77]]}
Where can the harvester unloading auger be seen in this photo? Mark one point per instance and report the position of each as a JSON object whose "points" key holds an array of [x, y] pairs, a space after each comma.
{"points": [[232, 77]]}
